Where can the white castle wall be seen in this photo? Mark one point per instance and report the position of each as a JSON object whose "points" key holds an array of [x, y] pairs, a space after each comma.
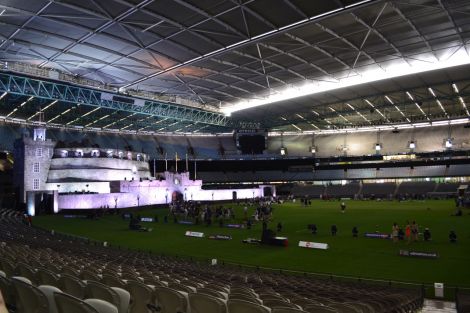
{"points": [[97, 169], [134, 193]]}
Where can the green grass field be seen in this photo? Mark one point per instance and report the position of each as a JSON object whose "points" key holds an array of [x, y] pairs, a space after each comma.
{"points": [[362, 257]]}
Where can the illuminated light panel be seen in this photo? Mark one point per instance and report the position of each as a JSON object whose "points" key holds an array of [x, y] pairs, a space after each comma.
{"points": [[59, 115], [119, 120], [311, 124], [437, 100], [368, 76], [464, 105], [296, 127], [127, 126], [43, 110], [358, 113], [417, 105], [377, 110], [198, 130], [21, 105], [3, 95], [340, 115], [84, 116], [96, 121], [398, 109], [458, 121], [448, 143]]}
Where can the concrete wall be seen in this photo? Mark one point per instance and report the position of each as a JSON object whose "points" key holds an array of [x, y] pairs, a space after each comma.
{"points": [[428, 139], [99, 187], [150, 196], [96, 169], [133, 193]]}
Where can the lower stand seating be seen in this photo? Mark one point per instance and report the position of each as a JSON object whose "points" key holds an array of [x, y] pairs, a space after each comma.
{"points": [[137, 282]]}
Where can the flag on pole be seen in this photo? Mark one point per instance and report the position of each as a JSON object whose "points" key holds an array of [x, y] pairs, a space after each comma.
{"points": [[166, 163], [176, 161], [187, 162]]}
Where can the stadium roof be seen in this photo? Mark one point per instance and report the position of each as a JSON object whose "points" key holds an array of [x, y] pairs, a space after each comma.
{"points": [[288, 65]]}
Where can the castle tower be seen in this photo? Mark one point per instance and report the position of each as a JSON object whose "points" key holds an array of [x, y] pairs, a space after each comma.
{"points": [[32, 159]]}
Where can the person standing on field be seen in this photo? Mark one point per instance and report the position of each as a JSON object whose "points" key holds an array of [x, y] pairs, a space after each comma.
{"points": [[414, 231], [408, 232], [395, 229]]}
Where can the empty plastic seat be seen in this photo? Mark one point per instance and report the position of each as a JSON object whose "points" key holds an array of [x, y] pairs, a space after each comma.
{"points": [[345, 308], [244, 297], [72, 285], [24, 270], [316, 308], [102, 306], [113, 281], [240, 306], [142, 297], [7, 267], [46, 277], [6, 289], [88, 275], [287, 310], [278, 303], [364, 307], [23, 279], [181, 287], [213, 293], [29, 298], [70, 271], [201, 303], [170, 301], [49, 292], [67, 304], [114, 295]]}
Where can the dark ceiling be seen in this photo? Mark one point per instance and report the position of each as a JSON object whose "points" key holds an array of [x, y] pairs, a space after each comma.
{"points": [[213, 53]]}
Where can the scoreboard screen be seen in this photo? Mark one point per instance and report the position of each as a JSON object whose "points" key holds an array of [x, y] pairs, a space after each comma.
{"points": [[251, 141]]}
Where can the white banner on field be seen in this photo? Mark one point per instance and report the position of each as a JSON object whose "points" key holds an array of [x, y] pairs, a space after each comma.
{"points": [[313, 245], [194, 234]]}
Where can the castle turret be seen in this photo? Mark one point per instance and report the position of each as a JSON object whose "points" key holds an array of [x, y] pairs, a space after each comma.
{"points": [[32, 157]]}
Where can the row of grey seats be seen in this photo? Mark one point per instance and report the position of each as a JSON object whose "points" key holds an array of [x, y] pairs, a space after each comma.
{"points": [[50, 299]]}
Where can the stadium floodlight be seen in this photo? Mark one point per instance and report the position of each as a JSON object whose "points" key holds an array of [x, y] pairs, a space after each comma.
{"points": [[448, 143], [412, 145], [283, 151]]}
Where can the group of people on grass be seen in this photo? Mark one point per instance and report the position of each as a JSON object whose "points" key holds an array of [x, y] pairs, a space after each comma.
{"points": [[411, 232], [198, 213]]}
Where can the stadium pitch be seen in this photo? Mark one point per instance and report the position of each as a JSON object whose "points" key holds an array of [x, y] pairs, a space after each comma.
{"points": [[361, 257]]}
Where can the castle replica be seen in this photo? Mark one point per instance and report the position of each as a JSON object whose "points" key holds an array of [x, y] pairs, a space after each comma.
{"points": [[51, 179]]}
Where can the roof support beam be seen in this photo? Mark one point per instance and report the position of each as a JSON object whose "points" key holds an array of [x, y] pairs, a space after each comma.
{"points": [[349, 43], [413, 26], [454, 24], [26, 86], [254, 39]]}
